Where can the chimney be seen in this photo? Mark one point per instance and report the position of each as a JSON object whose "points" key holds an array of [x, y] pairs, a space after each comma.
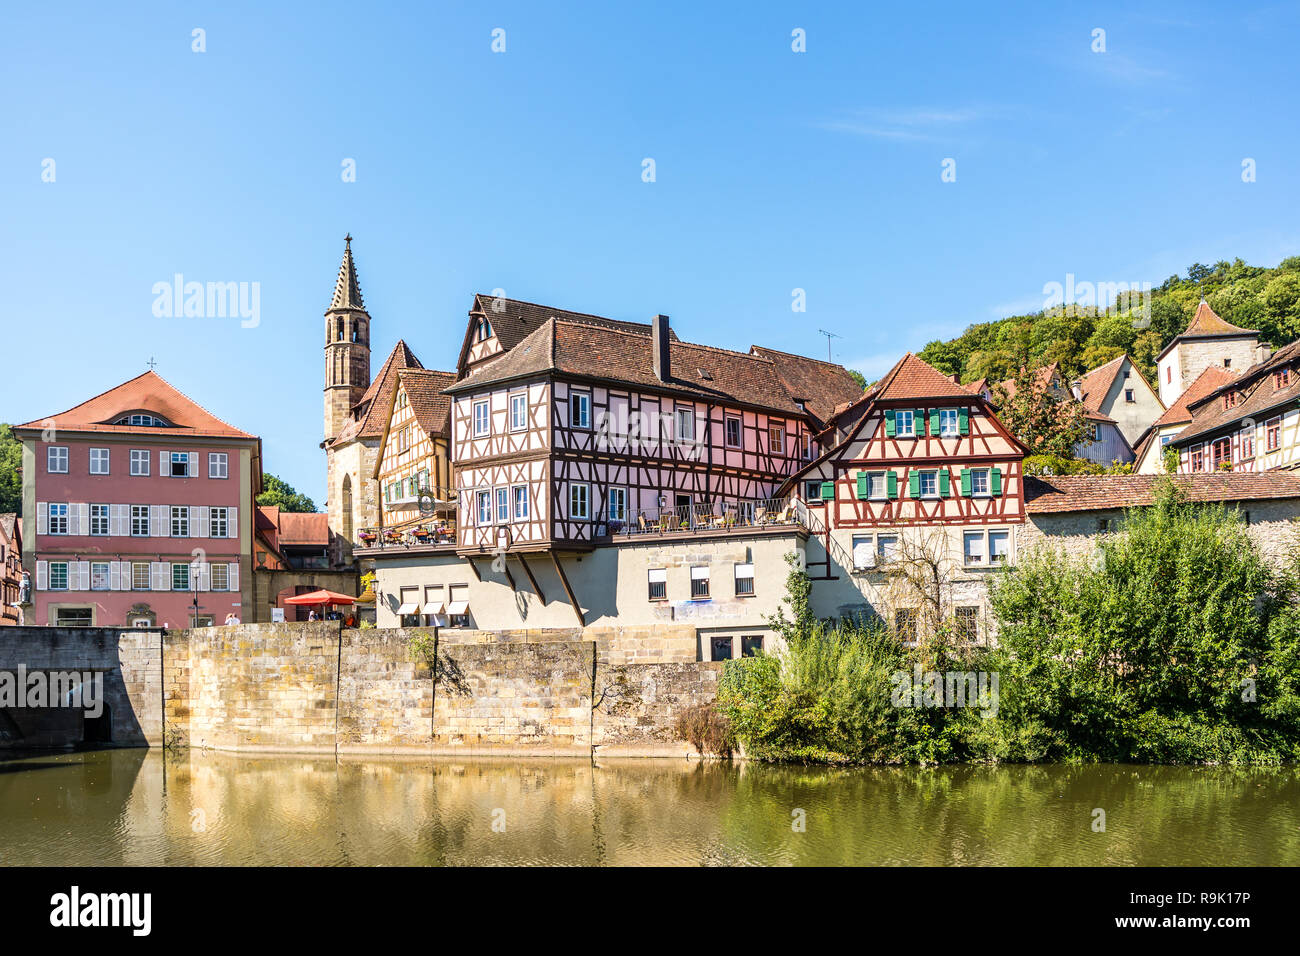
{"points": [[1076, 389], [659, 345]]}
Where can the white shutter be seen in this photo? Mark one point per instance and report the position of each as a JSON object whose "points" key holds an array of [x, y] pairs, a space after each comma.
{"points": [[83, 575], [164, 464], [160, 521], [42, 575], [205, 575], [42, 517], [232, 523], [115, 575], [120, 525], [192, 470], [160, 576], [203, 521], [82, 511], [234, 576]]}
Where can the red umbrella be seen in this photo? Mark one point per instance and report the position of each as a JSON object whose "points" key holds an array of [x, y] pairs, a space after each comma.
{"points": [[321, 597]]}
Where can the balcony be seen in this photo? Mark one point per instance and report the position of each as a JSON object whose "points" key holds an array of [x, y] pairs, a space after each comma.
{"points": [[422, 532], [719, 517]]}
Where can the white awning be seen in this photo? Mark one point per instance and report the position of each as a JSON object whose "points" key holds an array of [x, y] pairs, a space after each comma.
{"points": [[432, 607], [410, 608], [699, 574], [458, 607], [658, 575]]}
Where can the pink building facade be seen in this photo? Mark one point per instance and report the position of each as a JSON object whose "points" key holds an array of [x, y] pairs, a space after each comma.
{"points": [[142, 507]]}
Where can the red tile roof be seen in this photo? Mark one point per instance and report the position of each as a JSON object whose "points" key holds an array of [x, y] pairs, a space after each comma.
{"points": [[309, 528], [147, 392], [1205, 383], [1206, 324], [821, 386], [429, 404], [1096, 385], [912, 378], [368, 416], [1258, 395], [1062, 493]]}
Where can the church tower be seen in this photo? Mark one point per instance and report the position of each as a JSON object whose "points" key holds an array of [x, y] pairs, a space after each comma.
{"points": [[347, 347]]}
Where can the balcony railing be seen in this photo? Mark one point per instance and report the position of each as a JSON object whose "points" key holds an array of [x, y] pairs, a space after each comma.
{"points": [[427, 531], [711, 516]]}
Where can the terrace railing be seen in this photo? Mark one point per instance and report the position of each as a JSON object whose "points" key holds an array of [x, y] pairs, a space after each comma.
{"points": [[711, 516]]}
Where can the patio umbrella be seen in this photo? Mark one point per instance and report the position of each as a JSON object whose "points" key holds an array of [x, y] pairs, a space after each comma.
{"points": [[321, 598]]}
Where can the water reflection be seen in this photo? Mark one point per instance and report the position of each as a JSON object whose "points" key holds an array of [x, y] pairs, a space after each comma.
{"points": [[129, 807]]}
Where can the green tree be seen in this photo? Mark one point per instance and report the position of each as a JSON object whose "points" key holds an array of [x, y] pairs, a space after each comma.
{"points": [[1048, 423], [279, 494], [11, 471]]}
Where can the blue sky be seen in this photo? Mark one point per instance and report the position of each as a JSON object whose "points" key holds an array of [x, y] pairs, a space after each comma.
{"points": [[522, 170]]}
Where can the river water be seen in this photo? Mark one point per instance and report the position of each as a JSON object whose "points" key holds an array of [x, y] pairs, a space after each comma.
{"points": [[114, 807]]}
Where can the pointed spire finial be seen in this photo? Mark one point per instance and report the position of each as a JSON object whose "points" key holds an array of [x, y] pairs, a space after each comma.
{"points": [[347, 290]]}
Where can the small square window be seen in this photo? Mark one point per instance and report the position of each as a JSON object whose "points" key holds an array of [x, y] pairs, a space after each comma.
{"points": [[56, 460], [744, 580], [518, 411], [658, 581], [139, 461], [751, 646], [721, 648], [905, 423], [733, 432], [580, 410], [482, 421], [218, 464], [699, 583], [99, 461], [928, 483]]}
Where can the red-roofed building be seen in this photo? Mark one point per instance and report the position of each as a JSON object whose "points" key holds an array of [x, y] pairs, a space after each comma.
{"points": [[1208, 341], [142, 501], [1106, 442]]}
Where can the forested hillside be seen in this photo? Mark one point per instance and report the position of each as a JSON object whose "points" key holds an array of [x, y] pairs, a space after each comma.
{"points": [[1081, 339]]}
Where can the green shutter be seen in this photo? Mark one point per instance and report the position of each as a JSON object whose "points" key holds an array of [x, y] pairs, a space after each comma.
{"points": [[934, 421], [963, 421], [920, 422], [891, 484], [862, 484], [890, 427], [914, 485], [944, 488], [995, 480], [965, 482], [828, 490]]}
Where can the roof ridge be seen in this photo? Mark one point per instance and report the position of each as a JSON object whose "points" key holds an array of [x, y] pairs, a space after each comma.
{"points": [[204, 408], [543, 305], [806, 358], [677, 342]]}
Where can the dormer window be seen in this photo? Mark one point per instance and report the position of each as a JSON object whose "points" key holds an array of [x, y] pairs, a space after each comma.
{"points": [[141, 420], [1281, 378], [484, 331], [1229, 399]]}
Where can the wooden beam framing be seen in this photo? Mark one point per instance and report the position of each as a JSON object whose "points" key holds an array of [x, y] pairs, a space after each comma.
{"points": [[564, 580], [531, 579]]}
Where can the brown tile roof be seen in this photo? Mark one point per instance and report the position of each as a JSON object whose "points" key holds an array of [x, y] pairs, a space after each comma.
{"points": [[1061, 493], [821, 386], [977, 387], [592, 351], [1206, 324], [368, 416], [148, 392], [513, 320], [1045, 375], [1096, 385], [310, 528], [1256, 382], [1205, 383], [431, 407], [912, 377]]}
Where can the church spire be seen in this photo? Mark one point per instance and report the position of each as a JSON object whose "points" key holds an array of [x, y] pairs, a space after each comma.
{"points": [[347, 291]]}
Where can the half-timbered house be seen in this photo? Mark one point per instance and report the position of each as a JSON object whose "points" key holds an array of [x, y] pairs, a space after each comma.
{"points": [[926, 483], [413, 467]]}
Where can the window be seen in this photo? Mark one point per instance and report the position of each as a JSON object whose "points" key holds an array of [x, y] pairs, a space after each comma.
{"points": [[458, 605], [1198, 458], [219, 523], [74, 617], [721, 648], [1272, 434], [699, 583], [218, 464], [401, 399], [877, 486], [1129, 396], [502, 496], [658, 578], [481, 420], [864, 552], [979, 482], [1227, 363], [928, 484], [812, 492], [967, 621], [99, 461], [408, 610], [905, 620], [1221, 453], [1103, 525], [744, 580], [618, 504], [579, 500], [180, 465], [905, 423], [684, 424], [180, 522], [1096, 433], [948, 423], [56, 460], [776, 439], [808, 446], [518, 411], [1281, 378], [484, 500], [1229, 399], [58, 575], [140, 521], [99, 519], [1000, 546], [984, 548], [139, 576], [886, 548], [139, 461], [180, 577], [1169, 372], [520, 493], [751, 646], [483, 331], [733, 432], [1248, 443], [99, 576], [580, 410], [220, 577], [58, 519]]}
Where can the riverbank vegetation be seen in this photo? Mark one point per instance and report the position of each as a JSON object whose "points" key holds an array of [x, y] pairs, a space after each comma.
{"points": [[1173, 642]]}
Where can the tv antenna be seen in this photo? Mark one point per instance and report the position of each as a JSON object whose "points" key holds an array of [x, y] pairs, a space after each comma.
{"points": [[829, 336]]}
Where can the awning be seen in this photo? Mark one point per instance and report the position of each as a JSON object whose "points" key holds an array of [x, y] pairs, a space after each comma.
{"points": [[432, 607], [458, 607], [405, 609], [321, 598]]}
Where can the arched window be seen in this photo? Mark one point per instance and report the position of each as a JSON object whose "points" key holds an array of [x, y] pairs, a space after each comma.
{"points": [[347, 507]]}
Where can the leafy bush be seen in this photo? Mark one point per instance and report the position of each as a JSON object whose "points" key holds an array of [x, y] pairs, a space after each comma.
{"points": [[708, 731]]}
